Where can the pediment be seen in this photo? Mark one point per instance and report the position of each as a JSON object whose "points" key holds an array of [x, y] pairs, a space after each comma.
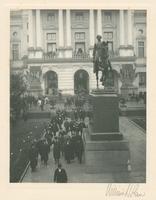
{"points": [[108, 25]]}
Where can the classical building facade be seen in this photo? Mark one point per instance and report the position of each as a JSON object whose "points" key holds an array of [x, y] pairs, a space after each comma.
{"points": [[53, 48]]}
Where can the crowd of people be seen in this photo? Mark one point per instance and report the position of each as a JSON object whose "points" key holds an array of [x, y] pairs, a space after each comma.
{"points": [[63, 136]]}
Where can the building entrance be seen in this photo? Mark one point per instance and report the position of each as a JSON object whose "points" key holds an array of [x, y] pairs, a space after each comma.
{"points": [[81, 82], [51, 83]]}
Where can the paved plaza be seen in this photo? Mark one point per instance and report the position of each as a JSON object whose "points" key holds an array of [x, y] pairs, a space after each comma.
{"points": [[76, 172]]}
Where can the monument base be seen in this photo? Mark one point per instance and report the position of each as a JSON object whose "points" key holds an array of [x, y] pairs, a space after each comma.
{"points": [[105, 112], [105, 148], [104, 136], [106, 156]]}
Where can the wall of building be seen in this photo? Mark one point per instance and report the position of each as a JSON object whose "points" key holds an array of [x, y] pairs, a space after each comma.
{"points": [[65, 70]]}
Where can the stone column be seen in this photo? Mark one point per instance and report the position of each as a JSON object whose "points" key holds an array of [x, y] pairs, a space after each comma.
{"points": [[61, 42], [91, 31], [91, 28], [129, 12], [122, 34], [68, 52], [30, 28], [31, 53], [61, 32], [38, 29], [38, 52], [68, 28], [99, 23], [126, 49], [122, 48]]}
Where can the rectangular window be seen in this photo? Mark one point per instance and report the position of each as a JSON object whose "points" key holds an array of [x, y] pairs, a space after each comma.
{"points": [[142, 79], [141, 49], [15, 51], [108, 36], [108, 16], [79, 16], [51, 47], [79, 47], [50, 17], [51, 36], [80, 36]]}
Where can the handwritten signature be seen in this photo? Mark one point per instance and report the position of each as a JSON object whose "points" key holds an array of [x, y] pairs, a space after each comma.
{"points": [[131, 190]]}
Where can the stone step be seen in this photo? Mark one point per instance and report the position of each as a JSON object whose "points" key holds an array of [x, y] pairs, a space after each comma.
{"points": [[107, 145], [99, 161], [106, 136]]}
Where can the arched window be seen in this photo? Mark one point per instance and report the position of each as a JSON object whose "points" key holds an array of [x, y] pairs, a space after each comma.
{"points": [[51, 83], [81, 81]]}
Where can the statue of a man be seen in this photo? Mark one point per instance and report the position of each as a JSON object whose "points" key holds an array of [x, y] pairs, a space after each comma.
{"points": [[101, 60], [97, 53]]}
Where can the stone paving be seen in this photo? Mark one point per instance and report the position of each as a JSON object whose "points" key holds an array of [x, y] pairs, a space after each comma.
{"points": [[76, 172]]}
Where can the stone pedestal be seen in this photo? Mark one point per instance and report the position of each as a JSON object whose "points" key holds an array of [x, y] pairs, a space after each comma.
{"points": [[106, 156], [106, 150], [106, 113]]}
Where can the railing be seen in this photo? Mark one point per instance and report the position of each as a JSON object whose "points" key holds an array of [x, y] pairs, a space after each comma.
{"points": [[16, 63], [50, 55], [80, 56], [113, 54], [75, 56], [54, 55]]}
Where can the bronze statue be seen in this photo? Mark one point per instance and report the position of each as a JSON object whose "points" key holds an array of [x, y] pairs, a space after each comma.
{"points": [[101, 60]]}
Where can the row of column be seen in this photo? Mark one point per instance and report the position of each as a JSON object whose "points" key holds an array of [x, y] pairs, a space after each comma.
{"points": [[38, 28], [122, 27], [68, 27]]}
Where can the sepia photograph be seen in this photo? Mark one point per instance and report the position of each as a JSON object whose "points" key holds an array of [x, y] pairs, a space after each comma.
{"points": [[78, 95]]}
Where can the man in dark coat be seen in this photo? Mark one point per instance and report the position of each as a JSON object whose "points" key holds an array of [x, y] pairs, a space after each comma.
{"points": [[62, 142], [81, 126], [60, 175], [56, 150], [79, 148], [54, 127], [45, 151], [73, 144], [66, 125], [68, 150], [33, 157], [39, 146]]}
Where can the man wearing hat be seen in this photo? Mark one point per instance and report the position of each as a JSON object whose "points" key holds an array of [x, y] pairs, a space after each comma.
{"points": [[60, 175]]}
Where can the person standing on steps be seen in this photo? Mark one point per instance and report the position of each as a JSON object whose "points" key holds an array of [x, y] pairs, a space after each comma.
{"points": [[60, 175]]}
